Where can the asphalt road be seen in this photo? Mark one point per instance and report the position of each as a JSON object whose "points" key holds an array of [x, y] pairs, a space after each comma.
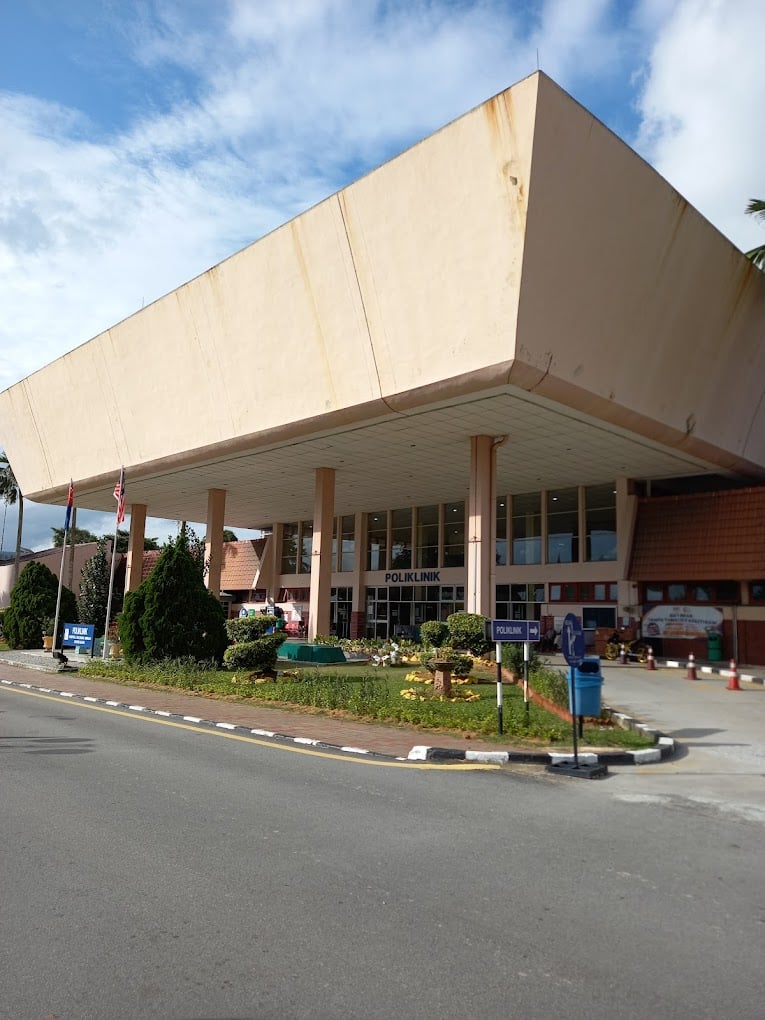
{"points": [[151, 870]]}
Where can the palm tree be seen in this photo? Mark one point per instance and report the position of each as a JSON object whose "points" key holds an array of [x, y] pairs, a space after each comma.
{"points": [[756, 208], [10, 493]]}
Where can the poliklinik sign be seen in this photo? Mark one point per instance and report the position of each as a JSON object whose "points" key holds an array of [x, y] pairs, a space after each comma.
{"points": [[412, 576]]}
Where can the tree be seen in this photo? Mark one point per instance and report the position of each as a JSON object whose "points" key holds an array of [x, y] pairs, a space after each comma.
{"points": [[756, 208], [10, 493], [229, 536], [33, 599], [94, 589], [172, 615], [124, 536], [76, 536]]}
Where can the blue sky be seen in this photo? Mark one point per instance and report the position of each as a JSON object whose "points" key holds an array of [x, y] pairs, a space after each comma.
{"points": [[142, 141]]}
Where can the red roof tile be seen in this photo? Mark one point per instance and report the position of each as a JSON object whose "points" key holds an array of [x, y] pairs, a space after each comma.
{"points": [[708, 536], [241, 563]]}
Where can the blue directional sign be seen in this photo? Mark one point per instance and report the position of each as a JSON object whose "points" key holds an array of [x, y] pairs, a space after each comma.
{"points": [[515, 630], [572, 640]]}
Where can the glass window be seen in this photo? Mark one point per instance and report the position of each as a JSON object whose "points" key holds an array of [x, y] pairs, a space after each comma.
{"points": [[517, 592], [600, 522], [701, 592], [727, 591], [527, 528], [654, 593], [348, 542], [377, 540], [500, 546], [757, 591], [427, 536], [563, 526], [676, 593], [600, 592], [454, 534], [289, 549], [539, 592], [401, 539], [306, 542], [555, 593]]}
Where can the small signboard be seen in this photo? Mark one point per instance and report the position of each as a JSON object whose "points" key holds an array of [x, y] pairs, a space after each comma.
{"points": [[572, 640], [515, 630], [78, 635]]}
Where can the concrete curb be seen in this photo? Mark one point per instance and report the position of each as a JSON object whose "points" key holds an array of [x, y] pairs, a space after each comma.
{"points": [[664, 748], [723, 671]]}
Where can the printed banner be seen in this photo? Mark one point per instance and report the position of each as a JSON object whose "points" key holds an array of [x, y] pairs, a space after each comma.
{"points": [[682, 621]]}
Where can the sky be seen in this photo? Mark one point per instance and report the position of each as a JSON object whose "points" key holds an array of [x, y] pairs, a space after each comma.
{"points": [[143, 141]]}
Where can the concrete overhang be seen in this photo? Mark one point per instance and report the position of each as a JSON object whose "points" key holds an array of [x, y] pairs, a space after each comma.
{"points": [[520, 273]]}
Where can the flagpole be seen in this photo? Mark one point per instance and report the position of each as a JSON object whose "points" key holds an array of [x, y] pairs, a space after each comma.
{"points": [[119, 488], [111, 589], [67, 521], [58, 597]]}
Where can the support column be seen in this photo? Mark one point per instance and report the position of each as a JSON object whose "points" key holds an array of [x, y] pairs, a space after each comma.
{"points": [[321, 552], [134, 568], [481, 513], [216, 509], [359, 607]]}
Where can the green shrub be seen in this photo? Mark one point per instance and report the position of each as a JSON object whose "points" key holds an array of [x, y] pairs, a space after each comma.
{"points": [[512, 658], [249, 628], [33, 599], [466, 630], [551, 684], [258, 656], [172, 615], [129, 624], [434, 633]]}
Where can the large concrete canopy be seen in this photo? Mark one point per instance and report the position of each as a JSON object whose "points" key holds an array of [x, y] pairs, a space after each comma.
{"points": [[519, 273]]}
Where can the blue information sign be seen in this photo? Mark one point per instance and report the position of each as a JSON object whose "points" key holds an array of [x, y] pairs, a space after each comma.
{"points": [[78, 635], [515, 630], [572, 640]]}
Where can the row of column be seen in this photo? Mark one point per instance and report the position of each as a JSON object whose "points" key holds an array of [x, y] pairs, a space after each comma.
{"points": [[481, 526]]}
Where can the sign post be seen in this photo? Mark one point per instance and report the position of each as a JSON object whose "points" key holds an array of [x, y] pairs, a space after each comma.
{"points": [[499, 687], [516, 631], [572, 645]]}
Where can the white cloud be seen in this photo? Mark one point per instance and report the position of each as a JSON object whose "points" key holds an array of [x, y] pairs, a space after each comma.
{"points": [[702, 103]]}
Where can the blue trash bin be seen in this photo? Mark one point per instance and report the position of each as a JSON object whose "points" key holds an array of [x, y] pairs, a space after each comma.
{"points": [[588, 681]]}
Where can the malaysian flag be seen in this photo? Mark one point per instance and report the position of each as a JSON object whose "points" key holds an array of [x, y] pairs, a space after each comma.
{"points": [[69, 505], [119, 495]]}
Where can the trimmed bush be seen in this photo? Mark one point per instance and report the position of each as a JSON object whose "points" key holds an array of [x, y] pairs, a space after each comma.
{"points": [[434, 633], [258, 656], [466, 630], [248, 628]]}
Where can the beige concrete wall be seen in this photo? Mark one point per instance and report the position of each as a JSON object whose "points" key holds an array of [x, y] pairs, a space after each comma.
{"points": [[407, 278], [52, 560], [633, 307]]}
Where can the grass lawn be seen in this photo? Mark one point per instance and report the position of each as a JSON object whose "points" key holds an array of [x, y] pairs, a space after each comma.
{"points": [[360, 691]]}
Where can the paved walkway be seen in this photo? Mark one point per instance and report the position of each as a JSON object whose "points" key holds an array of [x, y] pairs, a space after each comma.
{"points": [[663, 699]]}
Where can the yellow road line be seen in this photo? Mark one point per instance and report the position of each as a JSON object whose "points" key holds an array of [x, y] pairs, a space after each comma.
{"points": [[276, 745]]}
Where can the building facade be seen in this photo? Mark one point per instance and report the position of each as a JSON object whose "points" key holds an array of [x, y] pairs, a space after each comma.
{"points": [[486, 358]]}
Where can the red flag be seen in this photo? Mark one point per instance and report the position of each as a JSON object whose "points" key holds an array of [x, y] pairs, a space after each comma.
{"points": [[69, 505], [119, 495]]}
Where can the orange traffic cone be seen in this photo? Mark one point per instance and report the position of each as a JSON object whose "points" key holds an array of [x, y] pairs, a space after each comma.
{"points": [[691, 674], [650, 662], [733, 677]]}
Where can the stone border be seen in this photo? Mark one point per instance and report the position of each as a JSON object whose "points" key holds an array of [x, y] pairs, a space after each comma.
{"points": [[664, 748]]}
